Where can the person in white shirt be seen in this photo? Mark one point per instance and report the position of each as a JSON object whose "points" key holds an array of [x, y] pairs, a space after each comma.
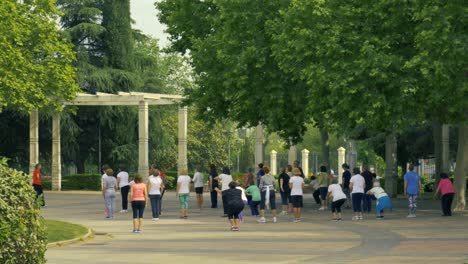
{"points": [[296, 184], [383, 201], [225, 178], [183, 192], [339, 198], [155, 186], [124, 185], [356, 185], [198, 180]]}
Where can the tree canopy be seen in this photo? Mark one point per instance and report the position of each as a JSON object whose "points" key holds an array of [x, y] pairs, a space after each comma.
{"points": [[36, 63]]}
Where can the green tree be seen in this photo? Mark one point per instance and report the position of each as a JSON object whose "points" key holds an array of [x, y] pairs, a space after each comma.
{"points": [[36, 69], [236, 75]]}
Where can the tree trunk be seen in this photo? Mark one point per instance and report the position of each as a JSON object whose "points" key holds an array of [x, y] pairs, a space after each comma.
{"points": [[325, 148], [391, 165], [461, 169], [437, 133]]}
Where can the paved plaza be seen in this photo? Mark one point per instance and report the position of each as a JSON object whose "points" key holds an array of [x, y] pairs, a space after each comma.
{"points": [[205, 236]]}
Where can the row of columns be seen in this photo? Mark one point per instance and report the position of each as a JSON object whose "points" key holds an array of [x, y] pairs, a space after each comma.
{"points": [[305, 160], [143, 138]]}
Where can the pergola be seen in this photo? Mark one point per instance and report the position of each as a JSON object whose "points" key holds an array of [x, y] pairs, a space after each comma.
{"points": [[142, 100]]}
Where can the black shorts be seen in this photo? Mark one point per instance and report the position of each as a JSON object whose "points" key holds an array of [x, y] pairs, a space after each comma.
{"points": [[199, 190], [138, 208], [233, 210], [336, 205], [296, 200]]}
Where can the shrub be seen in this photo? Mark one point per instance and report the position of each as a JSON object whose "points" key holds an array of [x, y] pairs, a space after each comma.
{"points": [[90, 182], [22, 236]]}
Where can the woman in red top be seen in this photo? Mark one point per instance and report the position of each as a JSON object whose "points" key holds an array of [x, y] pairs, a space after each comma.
{"points": [[139, 196], [37, 185], [446, 189]]}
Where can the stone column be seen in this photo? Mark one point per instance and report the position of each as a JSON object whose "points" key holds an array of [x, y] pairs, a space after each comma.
{"points": [[143, 167], [305, 162], [341, 160], [273, 162], [56, 161], [445, 149], [259, 144], [33, 140], [182, 162], [292, 154]]}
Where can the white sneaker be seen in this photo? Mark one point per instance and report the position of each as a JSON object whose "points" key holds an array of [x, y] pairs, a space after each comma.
{"points": [[411, 216], [155, 219], [261, 220], [274, 219], [123, 211], [321, 208], [355, 218]]}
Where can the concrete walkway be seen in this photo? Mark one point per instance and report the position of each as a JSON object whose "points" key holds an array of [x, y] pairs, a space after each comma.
{"points": [[205, 236]]}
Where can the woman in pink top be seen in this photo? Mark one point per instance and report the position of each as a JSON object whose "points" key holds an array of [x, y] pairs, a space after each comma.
{"points": [[139, 196], [446, 189]]}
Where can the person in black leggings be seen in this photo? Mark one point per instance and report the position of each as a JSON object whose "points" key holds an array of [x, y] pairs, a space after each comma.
{"points": [[234, 205]]}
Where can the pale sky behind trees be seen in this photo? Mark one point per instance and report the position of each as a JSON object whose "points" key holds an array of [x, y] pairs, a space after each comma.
{"points": [[144, 13]]}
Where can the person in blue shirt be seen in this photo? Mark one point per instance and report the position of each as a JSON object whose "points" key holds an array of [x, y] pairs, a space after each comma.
{"points": [[411, 189], [260, 173]]}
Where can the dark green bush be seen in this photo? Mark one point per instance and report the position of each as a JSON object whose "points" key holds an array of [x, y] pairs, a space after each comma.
{"points": [[89, 182], [22, 235]]}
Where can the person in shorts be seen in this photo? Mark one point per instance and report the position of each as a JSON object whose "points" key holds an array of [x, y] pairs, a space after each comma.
{"points": [[139, 197], [324, 181], [234, 204], [183, 192], [198, 181], [296, 184], [339, 198]]}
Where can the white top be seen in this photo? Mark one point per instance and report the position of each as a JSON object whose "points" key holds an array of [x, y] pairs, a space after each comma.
{"points": [[123, 176], [315, 184], [185, 183], [102, 180], [198, 180], [225, 180], [358, 183], [336, 192], [244, 197], [296, 185], [378, 192], [155, 185]]}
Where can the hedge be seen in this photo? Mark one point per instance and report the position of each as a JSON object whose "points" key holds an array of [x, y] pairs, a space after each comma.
{"points": [[89, 182]]}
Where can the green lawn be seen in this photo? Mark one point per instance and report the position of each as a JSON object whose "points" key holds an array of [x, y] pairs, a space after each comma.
{"points": [[59, 230]]}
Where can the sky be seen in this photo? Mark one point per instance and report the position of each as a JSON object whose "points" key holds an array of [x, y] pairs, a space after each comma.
{"points": [[144, 13]]}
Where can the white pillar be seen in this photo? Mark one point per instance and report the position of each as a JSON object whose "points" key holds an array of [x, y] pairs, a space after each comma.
{"points": [[341, 161], [273, 162], [305, 162], [182, 162], [258, 144], [56, 162], [33, 140], [143, 167], [292, 154]]}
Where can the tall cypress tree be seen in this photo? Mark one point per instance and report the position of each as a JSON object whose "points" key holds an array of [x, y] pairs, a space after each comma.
{"points": [[118, 39]]}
